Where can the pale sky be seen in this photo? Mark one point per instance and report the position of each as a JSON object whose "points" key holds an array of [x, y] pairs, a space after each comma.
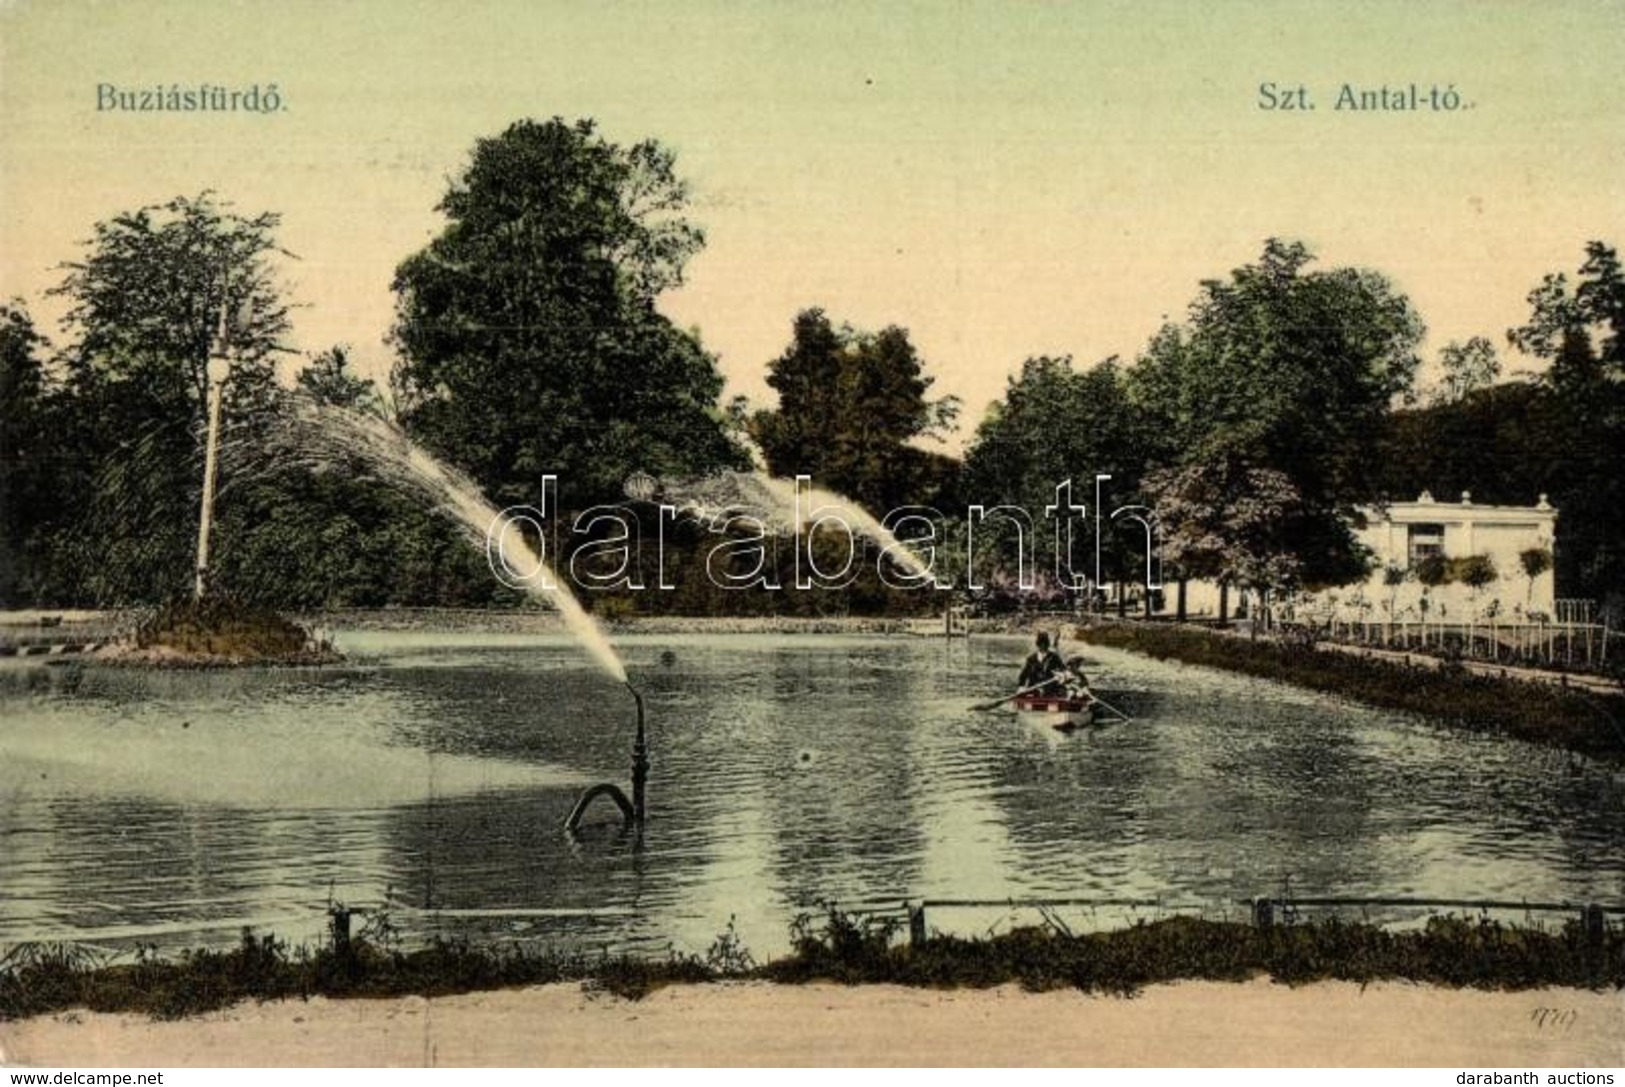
{"points": [[1001, 179]]}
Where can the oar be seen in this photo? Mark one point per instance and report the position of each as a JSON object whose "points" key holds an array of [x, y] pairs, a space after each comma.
{"points": [[1108, 705], [1025, 690]]}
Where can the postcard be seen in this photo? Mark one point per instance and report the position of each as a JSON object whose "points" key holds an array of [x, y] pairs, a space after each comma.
{"points": [[743, 534]]}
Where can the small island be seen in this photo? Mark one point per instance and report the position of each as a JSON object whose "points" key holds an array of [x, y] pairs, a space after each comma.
{"points": [[218, 632]]}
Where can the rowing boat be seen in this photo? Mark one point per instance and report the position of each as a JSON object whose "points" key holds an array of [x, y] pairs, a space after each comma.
{"points": [[1063, 712]]}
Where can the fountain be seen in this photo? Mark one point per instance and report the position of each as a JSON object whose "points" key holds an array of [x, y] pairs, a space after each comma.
{"points": [[771, 498], [776, 502], [634, 810], [326, 435]]}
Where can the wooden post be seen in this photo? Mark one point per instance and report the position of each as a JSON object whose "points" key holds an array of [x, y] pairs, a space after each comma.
{"points": [[916, 924], [1591, 920], [339, 920]]}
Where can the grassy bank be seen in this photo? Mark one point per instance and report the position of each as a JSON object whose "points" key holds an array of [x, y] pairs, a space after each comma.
{"points": [[36, 979], [1451, 952], [1574, 720]]}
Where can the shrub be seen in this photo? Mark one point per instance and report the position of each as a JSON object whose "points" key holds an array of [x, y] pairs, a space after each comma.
{"points": [[1473, 571], [1539, 713], [1433, 571], [219, 627], [40, 978]]}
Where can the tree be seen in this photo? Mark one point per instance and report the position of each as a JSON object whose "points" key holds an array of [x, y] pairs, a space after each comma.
{"points": [[1468, 367], [1287, 370], [1534, 561], [527, 334], [1433, 571], [329, 379], [1474, 571], [145, 304], [1229, 521], [1581, 333], [25, 498], [850, 403], [1503, 443], [147, 300], [1057, 423], [1393, 576]]}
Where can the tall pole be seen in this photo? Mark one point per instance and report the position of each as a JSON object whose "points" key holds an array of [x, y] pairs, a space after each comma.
{"points": [[218, 367]]}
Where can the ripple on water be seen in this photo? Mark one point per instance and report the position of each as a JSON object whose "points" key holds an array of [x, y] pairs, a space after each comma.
{"points": [[786, 771]]}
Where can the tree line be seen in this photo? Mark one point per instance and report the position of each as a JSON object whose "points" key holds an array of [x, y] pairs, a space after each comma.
{"points": [[528, 343]]}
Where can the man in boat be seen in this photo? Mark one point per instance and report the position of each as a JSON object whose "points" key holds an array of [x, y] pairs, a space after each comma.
{"points": [[1044, 666]]}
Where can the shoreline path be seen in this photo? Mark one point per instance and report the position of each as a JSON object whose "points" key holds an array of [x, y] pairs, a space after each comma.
{"points": [[1255, 1023]]}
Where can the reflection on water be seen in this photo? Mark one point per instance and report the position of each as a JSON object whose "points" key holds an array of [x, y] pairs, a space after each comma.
{"points": [[437, 770]]}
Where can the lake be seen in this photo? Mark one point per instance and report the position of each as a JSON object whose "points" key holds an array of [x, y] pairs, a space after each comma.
{"points": [[434, 772]]}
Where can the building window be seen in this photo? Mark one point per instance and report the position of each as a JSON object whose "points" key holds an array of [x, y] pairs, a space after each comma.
{"points": [[1425, 541]]}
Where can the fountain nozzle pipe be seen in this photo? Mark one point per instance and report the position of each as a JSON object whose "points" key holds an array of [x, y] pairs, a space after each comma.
{"points": [[640, 762], [632, 810]]}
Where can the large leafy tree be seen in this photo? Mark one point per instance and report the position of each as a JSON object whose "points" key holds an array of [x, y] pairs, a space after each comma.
{"points": [[145, 303], [528, 338], [1058, 423], [1505, 444], [1579, 329], [850, 405], [1228, 521], [147, 300], [1285, 369], [1055, 422]]}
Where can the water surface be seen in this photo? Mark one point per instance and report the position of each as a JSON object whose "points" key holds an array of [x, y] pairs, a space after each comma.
{"points": [[435, 771]]}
